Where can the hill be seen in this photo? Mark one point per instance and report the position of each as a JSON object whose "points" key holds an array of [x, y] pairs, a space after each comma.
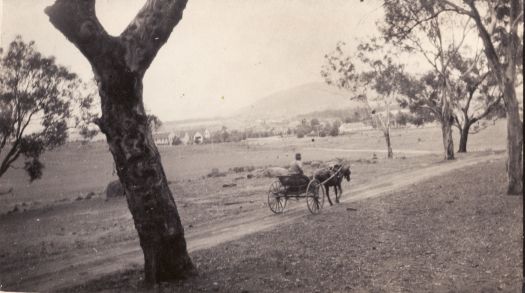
{"points": [[299, 100], [307, 101]]}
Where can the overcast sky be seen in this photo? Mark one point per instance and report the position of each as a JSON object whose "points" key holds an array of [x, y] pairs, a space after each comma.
{"points": [[237, 49]]}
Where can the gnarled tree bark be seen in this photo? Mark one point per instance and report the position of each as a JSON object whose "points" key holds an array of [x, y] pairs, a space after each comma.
{"points": [[119, 64]]}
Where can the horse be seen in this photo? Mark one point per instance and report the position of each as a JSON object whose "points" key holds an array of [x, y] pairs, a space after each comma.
{"points": [[333, 177]]}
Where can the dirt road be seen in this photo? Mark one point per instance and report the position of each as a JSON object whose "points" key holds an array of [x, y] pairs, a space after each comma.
{"points": [[72, 271]]}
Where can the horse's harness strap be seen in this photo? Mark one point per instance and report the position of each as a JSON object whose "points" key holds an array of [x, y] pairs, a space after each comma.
{"points": [[336, 173]]}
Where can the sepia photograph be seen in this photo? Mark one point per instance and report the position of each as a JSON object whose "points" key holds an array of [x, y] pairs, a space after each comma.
{"points": [[261, 146]]}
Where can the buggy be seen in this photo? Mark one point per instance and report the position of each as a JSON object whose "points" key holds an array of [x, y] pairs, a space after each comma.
{"points": [[292, 186]]}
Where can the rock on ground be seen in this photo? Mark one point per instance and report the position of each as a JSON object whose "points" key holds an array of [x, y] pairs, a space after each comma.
{"points": [[114, 190]]}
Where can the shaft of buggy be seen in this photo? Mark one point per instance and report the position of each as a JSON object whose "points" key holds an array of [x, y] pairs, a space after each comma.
{"points": [[337, 172]]}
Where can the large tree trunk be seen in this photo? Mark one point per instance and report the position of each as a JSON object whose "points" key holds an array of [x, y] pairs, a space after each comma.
{"points": [[514, 123], [139, 168], [506, 76], [119, 64]]}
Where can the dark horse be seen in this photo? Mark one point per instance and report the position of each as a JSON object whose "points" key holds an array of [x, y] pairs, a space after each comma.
{"points": [[334, 176]]}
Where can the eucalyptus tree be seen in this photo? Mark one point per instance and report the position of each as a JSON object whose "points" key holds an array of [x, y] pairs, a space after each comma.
{"points": [[371, 77], [119, 64], [500, 27], [37, 106], [475, 96], [438, 39]]}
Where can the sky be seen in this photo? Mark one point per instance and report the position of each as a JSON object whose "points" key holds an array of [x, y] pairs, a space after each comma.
{"points": [[223, 55]]}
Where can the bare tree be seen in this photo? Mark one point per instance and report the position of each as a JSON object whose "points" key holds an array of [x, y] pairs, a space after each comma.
{"points": [[119, 64], [376, 85]]}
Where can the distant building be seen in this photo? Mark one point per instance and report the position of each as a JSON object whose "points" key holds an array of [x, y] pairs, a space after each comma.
{"points": [[207, 135], [353, 127], [185, 139], [164, 138], [198, 138]]}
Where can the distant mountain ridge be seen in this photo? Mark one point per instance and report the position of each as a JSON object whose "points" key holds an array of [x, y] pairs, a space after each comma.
{"points": [[310, 99], [299, 100]]}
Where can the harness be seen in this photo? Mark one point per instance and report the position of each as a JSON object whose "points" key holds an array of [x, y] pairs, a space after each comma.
{"points": [[333, 175]]}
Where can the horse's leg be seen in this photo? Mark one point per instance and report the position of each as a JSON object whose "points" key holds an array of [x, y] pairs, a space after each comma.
{"points": [[328, 193], [338, 185]]}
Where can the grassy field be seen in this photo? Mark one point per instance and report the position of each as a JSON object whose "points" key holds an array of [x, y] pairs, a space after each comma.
{"points": [[454, 233], [65, 229], [55, 223], [75, 170]]}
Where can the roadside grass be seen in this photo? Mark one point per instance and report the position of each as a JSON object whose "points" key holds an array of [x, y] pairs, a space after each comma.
{"points": [[456, 232], [46, 233]]}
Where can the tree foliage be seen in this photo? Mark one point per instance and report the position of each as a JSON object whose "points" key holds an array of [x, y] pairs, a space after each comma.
{"points": [[475, 92], [499, 24], [36, 106], [439, 36], [371, 76]]}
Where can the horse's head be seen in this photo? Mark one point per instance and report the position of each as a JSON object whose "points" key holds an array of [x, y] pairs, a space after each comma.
{"points": [[346, 172]]}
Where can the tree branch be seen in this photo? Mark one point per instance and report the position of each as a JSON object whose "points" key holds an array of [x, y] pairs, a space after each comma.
{"points": [[13, 159], [490, 51], [26, 124], [150, 29], [455, 49], [14, 151], [76, 19], [517, 19], [418, 22], [489, 109], [455, 8], [4, 141], [458, 123]]}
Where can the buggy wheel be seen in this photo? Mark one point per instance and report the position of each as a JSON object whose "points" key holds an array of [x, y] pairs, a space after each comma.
{"points": [[314, 197], [276, 197]]}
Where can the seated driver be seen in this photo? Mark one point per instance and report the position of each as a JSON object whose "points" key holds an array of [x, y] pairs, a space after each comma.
{"points": [[296, 170]]}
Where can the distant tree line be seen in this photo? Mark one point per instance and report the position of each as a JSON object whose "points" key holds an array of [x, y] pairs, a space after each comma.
{"points": [[345, 115], [316, 128]]}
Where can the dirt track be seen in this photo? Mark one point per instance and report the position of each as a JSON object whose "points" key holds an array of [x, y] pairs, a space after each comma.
{"points": [[69, 272]]}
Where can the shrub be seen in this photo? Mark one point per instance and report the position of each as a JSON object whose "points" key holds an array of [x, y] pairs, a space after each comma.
{"points": [[215, 173], [177, 141], [238, 169], [242, 169], [114, 189]]}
